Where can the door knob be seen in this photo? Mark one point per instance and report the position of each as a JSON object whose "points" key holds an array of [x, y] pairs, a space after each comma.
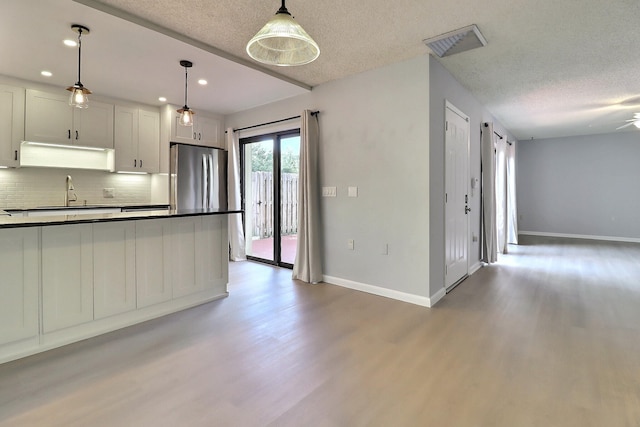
{"points": [[467, 209]]}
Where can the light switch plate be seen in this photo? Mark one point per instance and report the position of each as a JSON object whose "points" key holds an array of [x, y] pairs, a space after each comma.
{"points": [[329, 192], [353, 191]]}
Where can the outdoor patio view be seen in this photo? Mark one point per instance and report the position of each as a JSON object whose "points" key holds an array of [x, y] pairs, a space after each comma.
{"points": [[261, 206]]}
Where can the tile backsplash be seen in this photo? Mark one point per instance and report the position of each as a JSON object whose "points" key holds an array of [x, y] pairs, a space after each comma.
{"points": [[32, 187]]}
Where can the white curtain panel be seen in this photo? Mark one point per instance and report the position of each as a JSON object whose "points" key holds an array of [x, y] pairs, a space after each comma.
{"points": [[512, 207], [489, 236], [308, 264], [501, 195], [236, 231]]}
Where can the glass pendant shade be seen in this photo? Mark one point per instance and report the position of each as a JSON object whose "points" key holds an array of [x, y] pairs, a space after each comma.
{"points": [[186, 116], [79, 98], [283, 42]]}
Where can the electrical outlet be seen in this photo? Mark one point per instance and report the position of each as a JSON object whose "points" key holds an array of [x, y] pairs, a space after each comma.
{"points": [[108, 193], [350, 244]]}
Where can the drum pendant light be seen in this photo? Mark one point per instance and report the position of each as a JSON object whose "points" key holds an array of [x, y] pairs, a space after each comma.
{"points": [[186, 113], [79, 98], [283, 42]]}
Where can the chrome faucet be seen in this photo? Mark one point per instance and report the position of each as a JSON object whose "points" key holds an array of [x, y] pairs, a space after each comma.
{"points": [[71, 193]]}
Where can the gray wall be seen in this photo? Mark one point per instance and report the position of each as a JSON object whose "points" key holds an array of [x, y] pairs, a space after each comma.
{"points": [[582, 185], [374, 134], [444, 87]]}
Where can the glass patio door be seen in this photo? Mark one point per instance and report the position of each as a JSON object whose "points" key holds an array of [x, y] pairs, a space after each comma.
{"points": [[270, 165]]}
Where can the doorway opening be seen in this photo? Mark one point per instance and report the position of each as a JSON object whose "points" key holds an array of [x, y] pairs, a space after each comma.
{"points": [[269, 182]]}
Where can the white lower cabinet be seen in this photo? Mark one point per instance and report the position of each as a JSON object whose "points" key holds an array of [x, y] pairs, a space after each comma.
{"points": [[153, 261], [64, 283], [114, 274], [212, 256], [198, 253], [67, 276], [19, 264], [183, 255]]}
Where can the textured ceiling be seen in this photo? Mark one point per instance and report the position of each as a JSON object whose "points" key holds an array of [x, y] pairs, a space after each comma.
{"points": [[551, 68]]}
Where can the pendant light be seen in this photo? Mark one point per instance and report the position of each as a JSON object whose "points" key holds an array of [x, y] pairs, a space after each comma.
{"points": [[79, 98], [186, 113], [283, 42]]}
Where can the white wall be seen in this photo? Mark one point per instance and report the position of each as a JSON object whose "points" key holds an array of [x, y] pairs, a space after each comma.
{"points": [[582, 185], [445, 87], [374, 134]]}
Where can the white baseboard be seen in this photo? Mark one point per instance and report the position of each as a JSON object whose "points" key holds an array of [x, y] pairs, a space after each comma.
{"points": [[475, 267], [581, 236], [384, 292]]}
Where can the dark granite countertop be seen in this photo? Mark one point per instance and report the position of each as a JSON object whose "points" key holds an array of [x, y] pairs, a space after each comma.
{"points": [[142, 213]]}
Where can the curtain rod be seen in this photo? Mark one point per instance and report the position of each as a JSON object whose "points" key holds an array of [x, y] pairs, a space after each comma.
{"points": [[313, 113], [496, 133]]}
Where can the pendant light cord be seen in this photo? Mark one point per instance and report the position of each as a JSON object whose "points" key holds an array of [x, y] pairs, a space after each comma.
{"points": [[186, 79], [79, 52]]}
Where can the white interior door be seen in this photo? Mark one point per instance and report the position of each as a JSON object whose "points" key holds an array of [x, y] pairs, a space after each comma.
{"points": [[456, 195]]}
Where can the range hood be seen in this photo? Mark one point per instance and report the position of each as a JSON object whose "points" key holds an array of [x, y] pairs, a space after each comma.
{"points": [[41, 154]]}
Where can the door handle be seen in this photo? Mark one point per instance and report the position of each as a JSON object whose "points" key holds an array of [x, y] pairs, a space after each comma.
{"points": [[467, 209]]}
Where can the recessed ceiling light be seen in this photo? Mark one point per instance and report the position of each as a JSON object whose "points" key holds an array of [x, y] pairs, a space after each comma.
{"points": [[202, 82], [46, 73], [162, 99], [70, 43]]}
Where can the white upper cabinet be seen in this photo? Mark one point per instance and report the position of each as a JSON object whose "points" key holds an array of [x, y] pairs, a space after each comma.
{"points": [[149, 140], [11, 124], [137, 139], [50, 118], [206, 130]]}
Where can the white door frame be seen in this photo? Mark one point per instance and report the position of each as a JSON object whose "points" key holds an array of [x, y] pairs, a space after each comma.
{"points": [[463, 267]]}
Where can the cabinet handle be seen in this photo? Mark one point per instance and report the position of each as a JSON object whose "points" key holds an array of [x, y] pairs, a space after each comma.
{"points": [[76, 135], [15, 157], [69, 133], [140, 162], [135, 163], [194, 135], [199, 136]]}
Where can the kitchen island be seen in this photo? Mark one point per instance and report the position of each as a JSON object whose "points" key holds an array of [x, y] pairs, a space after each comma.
{"points": [[65, 278]]}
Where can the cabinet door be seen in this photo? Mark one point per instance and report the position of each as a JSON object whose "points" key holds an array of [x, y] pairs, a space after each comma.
{"points": [[181, 133], [19, 264], [149, 141], [11, 124], [208, 132], [48, 117], [67, 276], [114, 276], [94, 125], [126, 138], [153, 261], [212, 252], [183, 255]]}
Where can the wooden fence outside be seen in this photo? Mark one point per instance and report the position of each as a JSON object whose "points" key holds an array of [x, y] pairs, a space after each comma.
{"points": [[262, 204]]}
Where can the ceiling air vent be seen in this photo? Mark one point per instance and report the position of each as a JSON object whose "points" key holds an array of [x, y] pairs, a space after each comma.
{"points": [[457, 41]]}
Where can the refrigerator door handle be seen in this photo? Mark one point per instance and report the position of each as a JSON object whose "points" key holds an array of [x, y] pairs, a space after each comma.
{"points": [[205, 181], [211, 178]]}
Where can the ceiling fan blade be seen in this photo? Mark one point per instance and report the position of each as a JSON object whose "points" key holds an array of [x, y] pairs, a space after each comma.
{"points": [[624, 126]]}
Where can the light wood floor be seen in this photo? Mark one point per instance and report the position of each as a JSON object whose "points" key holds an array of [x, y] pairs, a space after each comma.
{"points": [[549, 337]]}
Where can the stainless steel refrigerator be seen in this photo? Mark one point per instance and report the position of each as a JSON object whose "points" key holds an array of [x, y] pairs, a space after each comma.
{"points": [[198, 177]]}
